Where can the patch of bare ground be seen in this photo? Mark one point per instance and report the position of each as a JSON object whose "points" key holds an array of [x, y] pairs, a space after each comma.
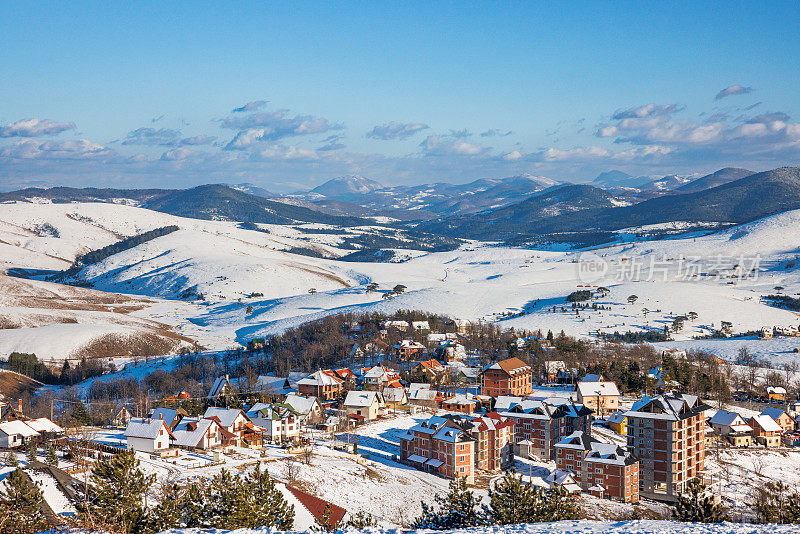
{"points": [[141, 344], [37, 294], [319, 272], [32, 320], [14, 385]]}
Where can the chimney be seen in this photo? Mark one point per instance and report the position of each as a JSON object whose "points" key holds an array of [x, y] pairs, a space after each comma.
{"points": [[19, 406], [161, 416]]}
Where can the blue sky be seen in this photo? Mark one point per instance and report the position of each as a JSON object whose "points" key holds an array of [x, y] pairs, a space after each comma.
{"points": [[134, 95]]}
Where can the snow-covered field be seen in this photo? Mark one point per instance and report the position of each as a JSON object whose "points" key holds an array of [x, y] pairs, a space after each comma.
{"points": [[230, 266]]}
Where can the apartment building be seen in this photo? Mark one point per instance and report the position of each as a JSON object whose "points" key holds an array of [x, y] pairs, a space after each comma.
{"points": [[494, 436], [602, 397], [604, 469], [440, 445], [540, 424], [667, 434], [507, 377], [324, 385]]}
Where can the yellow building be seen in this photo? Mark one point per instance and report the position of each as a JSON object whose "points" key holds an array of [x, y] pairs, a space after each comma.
{"points": [[618, 423]]}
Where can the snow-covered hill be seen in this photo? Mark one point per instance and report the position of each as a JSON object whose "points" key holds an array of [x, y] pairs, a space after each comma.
{"points": [[256, 282]]}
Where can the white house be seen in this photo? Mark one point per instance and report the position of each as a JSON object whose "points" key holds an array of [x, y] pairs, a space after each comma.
{"points": [[121, 416], [147, 435], [279, 421], [15, 434], [193, 433], [43, 425], [363, 405], [602, 397], [729, 422], [309, 408], [233, 420]]}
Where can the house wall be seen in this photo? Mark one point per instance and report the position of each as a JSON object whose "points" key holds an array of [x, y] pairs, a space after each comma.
{"points": [[147, 444], [497, 382]]}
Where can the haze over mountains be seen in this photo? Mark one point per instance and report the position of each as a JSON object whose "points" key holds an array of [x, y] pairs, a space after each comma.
{"points": [[523, 208]]}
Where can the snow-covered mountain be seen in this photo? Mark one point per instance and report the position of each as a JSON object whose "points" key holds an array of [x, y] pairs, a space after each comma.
{"points": [[346, 187]]}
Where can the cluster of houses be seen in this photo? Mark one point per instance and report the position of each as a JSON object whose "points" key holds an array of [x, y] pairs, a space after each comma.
{"points": [[773, 427], [17, 431]]}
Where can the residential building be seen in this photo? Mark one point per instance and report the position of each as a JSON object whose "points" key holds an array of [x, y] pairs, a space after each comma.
{"points": [[311, 511], [170, 416], [408, 349], [563, 479], [233, 420], [220, 389], [309, 408], [600, 397], [494, 439], [451, 351], [507, 377], [432, 369], [279, 421], [440, 445], [273, 385], [732, 427], [324, 385], [592, 378], [776, 393], [462, 402], [553, 369], [363, 406], [395, 397], [15, 434], [148, 435], [766, 431], [421, 326], [194, 433], [540, 424], [618, 423], [45, 427], [604, 469], [783, 419], [120, 416], [378, 377], [400, 325], [422, 395], [667, 434]]}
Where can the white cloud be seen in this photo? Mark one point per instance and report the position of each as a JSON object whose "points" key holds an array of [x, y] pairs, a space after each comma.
{"points": [[35, 128], [250, 106], [275, 125], [396, 130], [450, 145], [79, 149], [732, 90]]}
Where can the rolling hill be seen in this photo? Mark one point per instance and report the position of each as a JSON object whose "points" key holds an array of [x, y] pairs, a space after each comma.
{"points": [[721, 177]]}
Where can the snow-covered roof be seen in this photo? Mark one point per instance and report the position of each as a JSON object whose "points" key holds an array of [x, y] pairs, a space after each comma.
{"points": [[190, 431], [218, 386], [414, 386], [395, 394], [145, 428], [420, 325], [320, 378], [777, 390], [43, 424], [361, 399], [766, 423], [274, 384], [300, 404], [616, 418], [423, 394], [592, 378], [226, 416], [462, 399], [725, 418], [594, 389], [14, 428], [775, 413], [673, 406]]}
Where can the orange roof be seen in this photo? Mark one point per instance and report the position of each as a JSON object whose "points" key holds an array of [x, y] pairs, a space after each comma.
{"points": [[512, 365], [432, 365]]}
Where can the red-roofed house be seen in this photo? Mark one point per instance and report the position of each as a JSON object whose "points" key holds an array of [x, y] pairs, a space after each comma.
{"points": [[507, 377]]}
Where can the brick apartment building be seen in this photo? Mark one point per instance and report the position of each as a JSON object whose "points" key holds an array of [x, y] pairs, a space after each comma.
{"points": [[540, 424], [440, 445], [667, 434], [494, 436], [604, 469], [507, 377], [324, 385], [457, 445]]}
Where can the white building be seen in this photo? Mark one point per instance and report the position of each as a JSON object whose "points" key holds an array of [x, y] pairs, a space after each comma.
{"points": [[147, 435], [193, 433], [280, 422], [15, 434], [363, 405]]}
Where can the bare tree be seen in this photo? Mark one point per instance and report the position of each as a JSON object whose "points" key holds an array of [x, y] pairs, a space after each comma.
{"points": [[291, 470]]}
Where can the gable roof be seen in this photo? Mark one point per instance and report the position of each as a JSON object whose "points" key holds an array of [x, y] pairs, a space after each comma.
{"points": [[671, 406], [219, 385], [43, 424], [274, 384], [145, 428], [395, 394], [511, 366], [592, 378], [775, 413], [17, 427], [766, 423], [320, 378], [362, 399], [190, 431], [226, 416], [300, 404], [595, 389]]}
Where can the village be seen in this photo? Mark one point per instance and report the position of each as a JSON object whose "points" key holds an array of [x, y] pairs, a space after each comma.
{"points": [[430, 406]]}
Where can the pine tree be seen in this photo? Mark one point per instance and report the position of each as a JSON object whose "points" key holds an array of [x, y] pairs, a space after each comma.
{"points": [[52, 457], [696, 507], [457, 509], [118, 490], [30, 452], [513, 501], [11, 460], [270, 507], [775, 505], [20, 503], [360, 521]]}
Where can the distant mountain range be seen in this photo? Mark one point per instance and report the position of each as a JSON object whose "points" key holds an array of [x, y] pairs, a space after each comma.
{"points": [[584, 210], [522, 208]]}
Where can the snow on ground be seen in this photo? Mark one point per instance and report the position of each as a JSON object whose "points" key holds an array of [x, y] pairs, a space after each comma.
{"points": [[582, 527], [479, 281], [59, 502]]}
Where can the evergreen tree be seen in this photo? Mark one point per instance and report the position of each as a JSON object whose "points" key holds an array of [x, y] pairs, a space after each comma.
{"points": [[270, 509], [52, 457], [360, 521], [774, 504], [30, 452], [696, 507], [20, 503], [457, 509], [11, 459], [118, 490], [513, 501], [80, 414]]}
